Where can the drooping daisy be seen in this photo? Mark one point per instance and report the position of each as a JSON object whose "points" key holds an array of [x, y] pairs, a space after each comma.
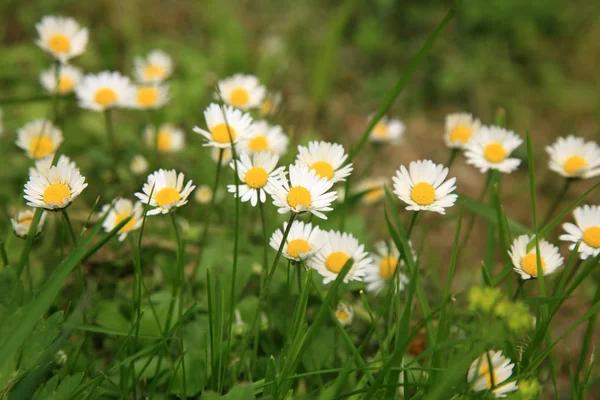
{"points": [[224, 123], [265, 138], [491, 148], [270, 104], [149, 97], [165, 191], [39, 139], [139, 165], [225, 158], [302, 242], [525, 262], [242, 91], [586, 229], [170, 138], [381, 272], [55, 189], [387, 131], [489, 371], [119, 211], [62, 37], [325, 159], [573, 157], [154, 68], [373, 190], [104, 90], [460, 128], [422, 186], [203, 194], [69, 78], [344, 313], [22, 222], [254, 175], [336, 250], [305, 191]]}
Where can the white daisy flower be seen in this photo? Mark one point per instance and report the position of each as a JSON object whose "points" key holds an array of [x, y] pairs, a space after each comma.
{"points": [[39, 139], [302, 242], [62, 37], [148, 97], [165, 191], [387, 130], [242, 91], [460, 128], [270, 104], [225, 158], [383, 268], [491, 148], [336, 250], [119, 211], [422, 186], [573, 157], [373, 189], [223, 122], [344, 313], [56, 188], [170, 138], [203, 194], [525, 262], [104, 90], [586, 229], [488, 372], [69, 78], [325, 159], [154, 68], [265, 138], [22, 222], [254, 175], [304, 191], [139, 165]]}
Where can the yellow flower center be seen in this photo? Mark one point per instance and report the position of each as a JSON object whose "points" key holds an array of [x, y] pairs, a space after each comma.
{"points": [[256, 177], [40, 146], [460, 134], [380, 130], [164, 141], [591, 236], [484, 371], [423, 194], [65, 85], [387, 267], [299, 196], [147, 96], [59, 43], [323, 169], [106, 97], [265, 107], [167, 196], [342, 315], [26, 220], [529, 263], [297, 246], [221, 132], [374, 195], [57, 193], [258, 143], [336, 261], [154, 71], [239, 97], [494, 153], [129, 225], [574, 164]]}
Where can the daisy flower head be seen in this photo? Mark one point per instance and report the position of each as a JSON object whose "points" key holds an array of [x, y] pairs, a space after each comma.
{"points": [[344, 313], [373, 189], [525, 262], [265, 138], [39, 139], [387, 130], [336, 250], [69, 78], [170, 138], [241, 91], [149, 97], [270, 104], [423, 186], [225, 158], [325, 159], [56, 188], [22, 222], [164, 191], [203, 194], [105, 90], [62, 37], [302, 242], [460, 128], [118, 212], [586, 230], [381, 272], [154, 68], [488, 371], [254, 175], [305, 191], [225, 125], [491, 149], [138, 165], [573, 157]]}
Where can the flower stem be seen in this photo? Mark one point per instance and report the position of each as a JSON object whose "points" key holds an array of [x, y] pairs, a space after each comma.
{"points": [[557, 200], [450, 161], [55, 97], [110, 132], [411, 225], [265, 237], [74, 239], [471, 222]]}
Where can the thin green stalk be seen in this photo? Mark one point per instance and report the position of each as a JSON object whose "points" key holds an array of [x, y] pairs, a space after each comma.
{"points": [[453, 154], [471, 222], [265, 235], [110, 133], [74, 239], [3, 254], [588, 336], [180, 285], [557, 200], [412, 223], [55, 97]]}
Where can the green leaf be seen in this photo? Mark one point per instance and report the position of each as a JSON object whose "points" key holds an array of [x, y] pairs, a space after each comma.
{"points": [[51, 390], [242, 391], [43, 334]]}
